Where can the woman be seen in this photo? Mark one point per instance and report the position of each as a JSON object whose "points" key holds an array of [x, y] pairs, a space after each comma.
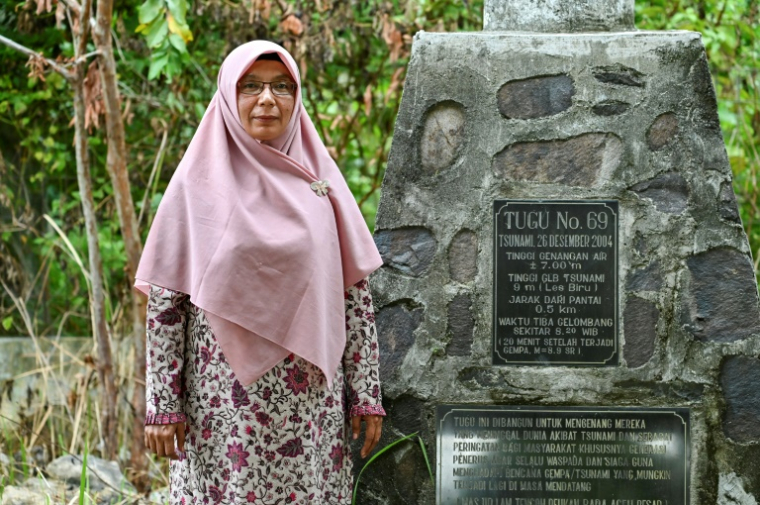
{"points": [[261, 338]]}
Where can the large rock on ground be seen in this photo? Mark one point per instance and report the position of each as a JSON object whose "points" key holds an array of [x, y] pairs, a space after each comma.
{"points": [[103, 475]]}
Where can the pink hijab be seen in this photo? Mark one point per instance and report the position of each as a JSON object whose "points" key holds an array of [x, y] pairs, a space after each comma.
{"points": [[241, 230]]}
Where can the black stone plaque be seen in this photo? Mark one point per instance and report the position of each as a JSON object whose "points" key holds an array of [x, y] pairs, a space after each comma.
{"points": [[555, 293], [506, 455]]}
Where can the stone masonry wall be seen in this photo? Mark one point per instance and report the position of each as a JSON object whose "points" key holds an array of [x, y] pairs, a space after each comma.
{"points": [[628, 116]]}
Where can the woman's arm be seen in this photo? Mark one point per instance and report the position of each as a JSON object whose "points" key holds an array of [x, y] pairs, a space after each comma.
{"points": [[361, 365], [166, 319]]}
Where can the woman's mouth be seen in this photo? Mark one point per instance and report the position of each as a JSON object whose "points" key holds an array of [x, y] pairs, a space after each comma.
{"points": [[265, 119]]}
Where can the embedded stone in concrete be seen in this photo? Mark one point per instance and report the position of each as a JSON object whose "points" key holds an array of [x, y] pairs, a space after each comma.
{"points": [[704, 94], [558, 16], [461, 326], [739, 381], [662, 131], [641, 318], [442, 136], [536, 97], [619, 75], [577, 161], [610, 108], [487, 377], [669, 192], [648, 278], [727, 204], [396, 323], [406, 411], [408, 250], [731, 491], [721, 301], [686, 390], [463, 256]]}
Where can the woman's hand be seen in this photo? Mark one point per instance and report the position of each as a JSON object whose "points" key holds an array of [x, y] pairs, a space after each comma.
{"points": [[159, 439], [372, 433]]}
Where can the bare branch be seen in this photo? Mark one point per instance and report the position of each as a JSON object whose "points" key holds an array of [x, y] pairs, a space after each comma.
{"points": [[25, 50], [73, 5], [84, 57], [83, 25], [156, 168]]}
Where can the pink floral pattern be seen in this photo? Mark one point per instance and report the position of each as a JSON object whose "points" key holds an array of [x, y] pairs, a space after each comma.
{"points": [[284, 439]]}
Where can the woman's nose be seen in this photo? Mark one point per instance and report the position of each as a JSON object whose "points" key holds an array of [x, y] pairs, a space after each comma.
{"points": [[266, 95]]}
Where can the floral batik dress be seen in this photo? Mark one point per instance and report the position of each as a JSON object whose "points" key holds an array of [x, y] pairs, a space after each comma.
{"points": [[283, 439]]}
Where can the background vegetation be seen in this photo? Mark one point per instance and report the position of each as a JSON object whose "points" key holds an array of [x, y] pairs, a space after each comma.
{"points": [[353, 56]]}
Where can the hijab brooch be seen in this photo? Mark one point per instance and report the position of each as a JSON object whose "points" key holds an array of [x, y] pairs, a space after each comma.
{"points": [[320, 187]]}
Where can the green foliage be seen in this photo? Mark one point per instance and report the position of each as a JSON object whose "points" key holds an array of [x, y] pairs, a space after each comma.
{"points": [[353, 57], [164, 25]]}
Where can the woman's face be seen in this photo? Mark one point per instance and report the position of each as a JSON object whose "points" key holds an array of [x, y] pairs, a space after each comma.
{"points": [[265, 116]]}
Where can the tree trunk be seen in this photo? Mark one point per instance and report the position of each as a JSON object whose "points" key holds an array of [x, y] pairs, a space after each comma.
{"points": [[97, 296], [116, 164]]}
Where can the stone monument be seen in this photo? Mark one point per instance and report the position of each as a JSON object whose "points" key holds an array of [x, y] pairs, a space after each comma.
{"points": [[567, 313]]}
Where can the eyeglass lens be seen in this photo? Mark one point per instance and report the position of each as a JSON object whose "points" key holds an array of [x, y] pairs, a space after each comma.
{"points": [[280, 88]]}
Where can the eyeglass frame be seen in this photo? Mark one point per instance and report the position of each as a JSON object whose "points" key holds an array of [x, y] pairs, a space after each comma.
{"points": [[291, 90]]}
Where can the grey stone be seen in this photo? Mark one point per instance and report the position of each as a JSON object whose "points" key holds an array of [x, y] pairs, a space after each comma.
{"points": [[40, 455], [160, 496], [721, 302], [610, 108], [461, 326], [396, 478], [648, 278], [619, 75], [406, 411], [442, 136], [669, 192], [15, 495], [463, 256], [57, 491], [739, 379], [662, 131], [577, 161], [4, 459], [396, 323], [676, 389], [103, 475], [641, 318], [408, 250], [731, 491], [558, 15], [704, 94], [727, 204], [536, 97]]}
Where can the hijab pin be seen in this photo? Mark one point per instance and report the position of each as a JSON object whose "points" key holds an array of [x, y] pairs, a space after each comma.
{"points": [[320, 187]]}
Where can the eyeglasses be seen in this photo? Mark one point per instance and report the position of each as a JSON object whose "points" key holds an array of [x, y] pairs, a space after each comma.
{"points": [[279, 88]]}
